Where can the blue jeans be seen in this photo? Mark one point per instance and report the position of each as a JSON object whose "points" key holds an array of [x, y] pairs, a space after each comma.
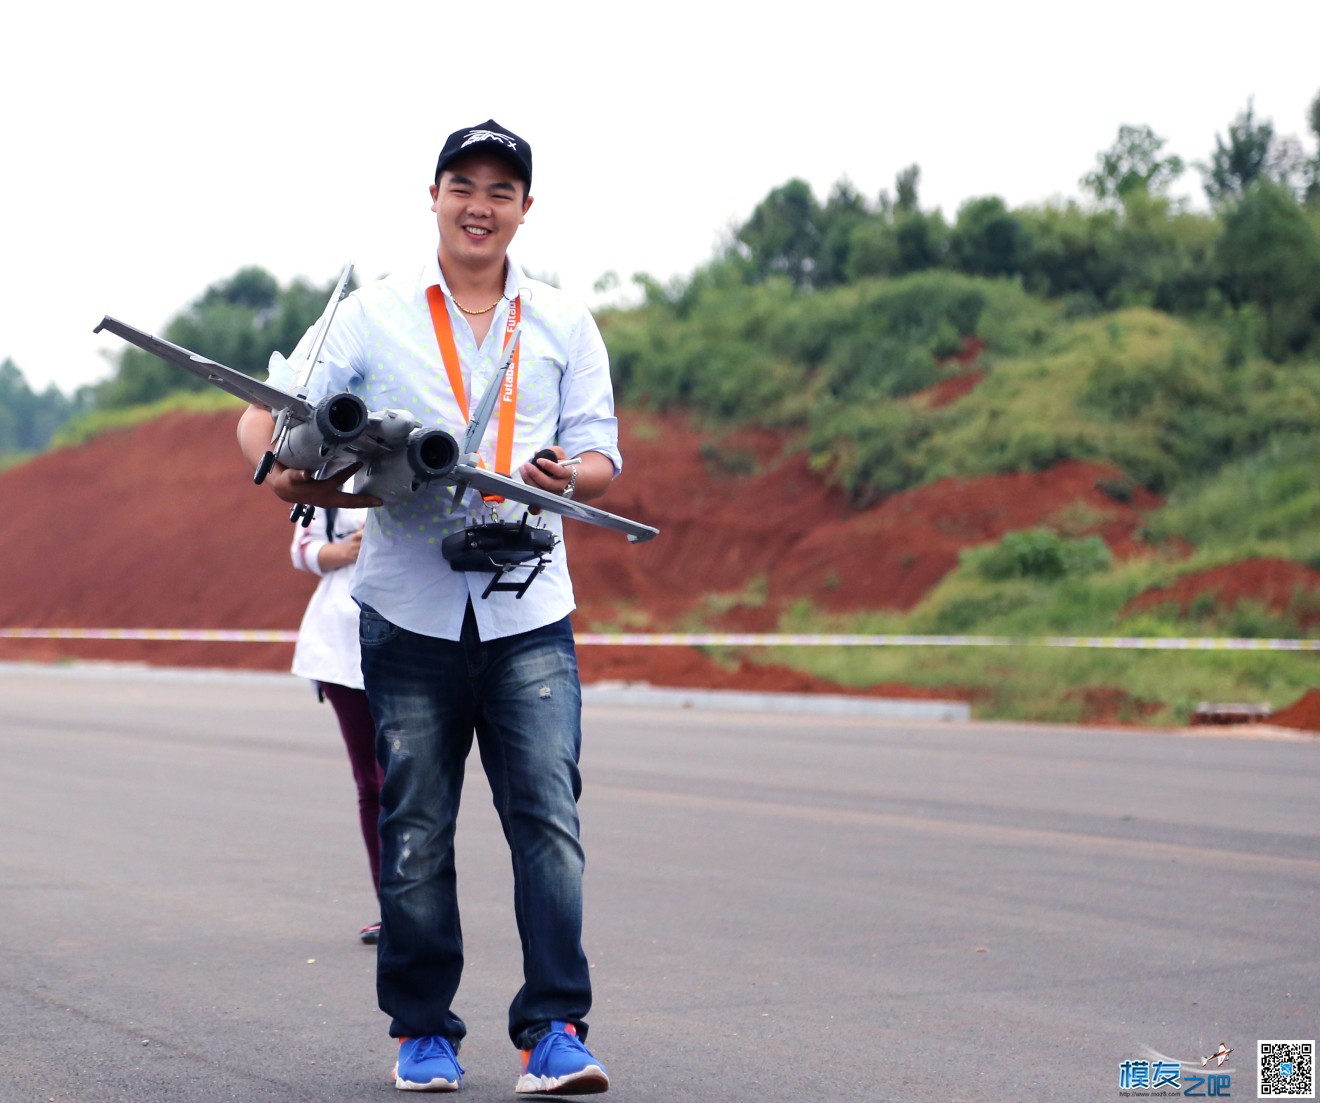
{"points": [[521, 697]]}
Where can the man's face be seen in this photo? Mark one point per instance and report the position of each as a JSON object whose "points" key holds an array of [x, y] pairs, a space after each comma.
{"points": [[479, 203]]}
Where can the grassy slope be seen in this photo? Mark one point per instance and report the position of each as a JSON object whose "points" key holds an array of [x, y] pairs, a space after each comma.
{"points": [[1232, 447]]}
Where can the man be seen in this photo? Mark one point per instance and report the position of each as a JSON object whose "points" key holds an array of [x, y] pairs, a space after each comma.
{"points": [[440, 660]]}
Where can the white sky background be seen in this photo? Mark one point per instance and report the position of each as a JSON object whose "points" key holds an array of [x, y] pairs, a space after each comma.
{"points": [[151, 149]]}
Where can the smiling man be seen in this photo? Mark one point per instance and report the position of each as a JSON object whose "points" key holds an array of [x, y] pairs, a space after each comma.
{"points": [[446, 656]]}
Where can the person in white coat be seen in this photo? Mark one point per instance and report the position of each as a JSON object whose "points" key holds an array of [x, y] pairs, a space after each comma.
{"points": [[327, 652]]}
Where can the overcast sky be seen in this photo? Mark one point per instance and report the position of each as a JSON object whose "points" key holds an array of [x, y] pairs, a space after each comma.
{"points": [[151, 149]]}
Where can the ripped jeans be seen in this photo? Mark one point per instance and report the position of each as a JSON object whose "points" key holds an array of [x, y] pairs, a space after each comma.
{"points": [[521, 697]]}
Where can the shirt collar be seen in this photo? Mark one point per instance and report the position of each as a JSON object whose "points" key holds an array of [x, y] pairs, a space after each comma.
{"points": [[432, 276]]}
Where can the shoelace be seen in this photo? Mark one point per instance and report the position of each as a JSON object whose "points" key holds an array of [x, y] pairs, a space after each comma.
{"points": [[436, 1047], [558, 1040]]}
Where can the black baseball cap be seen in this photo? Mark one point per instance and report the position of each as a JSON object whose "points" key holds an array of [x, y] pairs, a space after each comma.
{"points": [[488, 137]]}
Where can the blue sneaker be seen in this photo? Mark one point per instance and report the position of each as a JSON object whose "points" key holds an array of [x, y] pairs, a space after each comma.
{"points": [[561, 1065], [427, 1065]]}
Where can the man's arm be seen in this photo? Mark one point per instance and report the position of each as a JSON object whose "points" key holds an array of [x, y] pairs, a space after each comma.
{"points": [[587, 426], [255, 429]]}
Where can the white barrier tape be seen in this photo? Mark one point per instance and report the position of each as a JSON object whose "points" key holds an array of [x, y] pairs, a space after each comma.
{"points": [[714, 639], [205, 635], [1141, 643]]}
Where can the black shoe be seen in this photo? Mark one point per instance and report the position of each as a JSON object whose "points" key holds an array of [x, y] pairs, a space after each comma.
{"points": [[370, 934]]}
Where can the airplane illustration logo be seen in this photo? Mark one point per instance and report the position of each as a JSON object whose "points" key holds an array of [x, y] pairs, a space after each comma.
{"points": [[1218, 1057]]}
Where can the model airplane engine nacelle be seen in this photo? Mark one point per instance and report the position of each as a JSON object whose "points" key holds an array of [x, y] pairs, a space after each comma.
{"points": [[337, 420], [432, 454], [425, 456]]}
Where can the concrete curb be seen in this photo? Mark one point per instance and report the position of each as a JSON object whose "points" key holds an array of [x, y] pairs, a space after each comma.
{"points": [[626, 695], [721, 700]]}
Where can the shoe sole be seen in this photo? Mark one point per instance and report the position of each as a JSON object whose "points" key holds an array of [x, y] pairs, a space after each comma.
{"points": [[590, 1081], [439, 1084]]}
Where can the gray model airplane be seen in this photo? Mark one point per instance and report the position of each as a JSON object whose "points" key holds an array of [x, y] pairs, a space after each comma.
{"points": [[399, 455]]}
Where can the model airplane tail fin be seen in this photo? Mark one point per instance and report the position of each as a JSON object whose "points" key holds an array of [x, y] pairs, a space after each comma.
{"points": [[476, 427], [322, 329]]}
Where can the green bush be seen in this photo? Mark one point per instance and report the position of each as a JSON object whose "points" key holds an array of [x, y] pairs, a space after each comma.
{"points": [[1041, 553]]}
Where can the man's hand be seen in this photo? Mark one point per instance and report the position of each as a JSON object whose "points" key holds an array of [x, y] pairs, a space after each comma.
{"points": [[545, 472], [594, 472], [255, 428], [294, 485]]}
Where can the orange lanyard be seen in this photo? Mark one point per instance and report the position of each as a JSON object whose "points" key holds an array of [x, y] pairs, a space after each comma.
{"points": [[508, 403]]}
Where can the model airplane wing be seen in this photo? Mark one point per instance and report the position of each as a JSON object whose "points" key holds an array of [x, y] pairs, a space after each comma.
{"points": [[326, 436], [488, 482], [227, 379]]}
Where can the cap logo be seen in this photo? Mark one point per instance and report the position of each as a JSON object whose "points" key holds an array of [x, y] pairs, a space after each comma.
{"points": [[488, 136]]}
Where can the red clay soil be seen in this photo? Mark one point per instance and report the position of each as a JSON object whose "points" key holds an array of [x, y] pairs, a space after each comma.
{"points": [[1304, 713], [159, 527], [955, 387], [950, 390], [1276, 584], [892, 555]]}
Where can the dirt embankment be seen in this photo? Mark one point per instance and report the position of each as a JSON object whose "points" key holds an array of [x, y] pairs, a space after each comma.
{"points": [[159, 527], [1279, 585]]}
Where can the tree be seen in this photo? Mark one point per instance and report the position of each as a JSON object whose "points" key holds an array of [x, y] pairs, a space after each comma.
{"points": [[1075, 254], [1269, 257], [872, 250], [843, 212], [988, 239], [1238, 163], [1132, 165], [1288, 164], [238, 322], [783, 234], [923, 240], [1165, 256], [253, 288], [905, 188], [28, 420], [1313, 170]]}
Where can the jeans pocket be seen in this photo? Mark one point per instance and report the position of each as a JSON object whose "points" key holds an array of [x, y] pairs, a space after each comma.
{"points": [[374, 629]]}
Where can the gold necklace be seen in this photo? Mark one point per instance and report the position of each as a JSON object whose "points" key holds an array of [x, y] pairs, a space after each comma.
{"points": [[488, 309]]}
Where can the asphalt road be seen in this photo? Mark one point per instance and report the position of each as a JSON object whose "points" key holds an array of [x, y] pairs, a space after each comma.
{"points": [[779, 907]]}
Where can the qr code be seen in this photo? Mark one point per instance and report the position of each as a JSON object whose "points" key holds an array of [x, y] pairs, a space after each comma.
{"points": [[1287, 1070]]}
